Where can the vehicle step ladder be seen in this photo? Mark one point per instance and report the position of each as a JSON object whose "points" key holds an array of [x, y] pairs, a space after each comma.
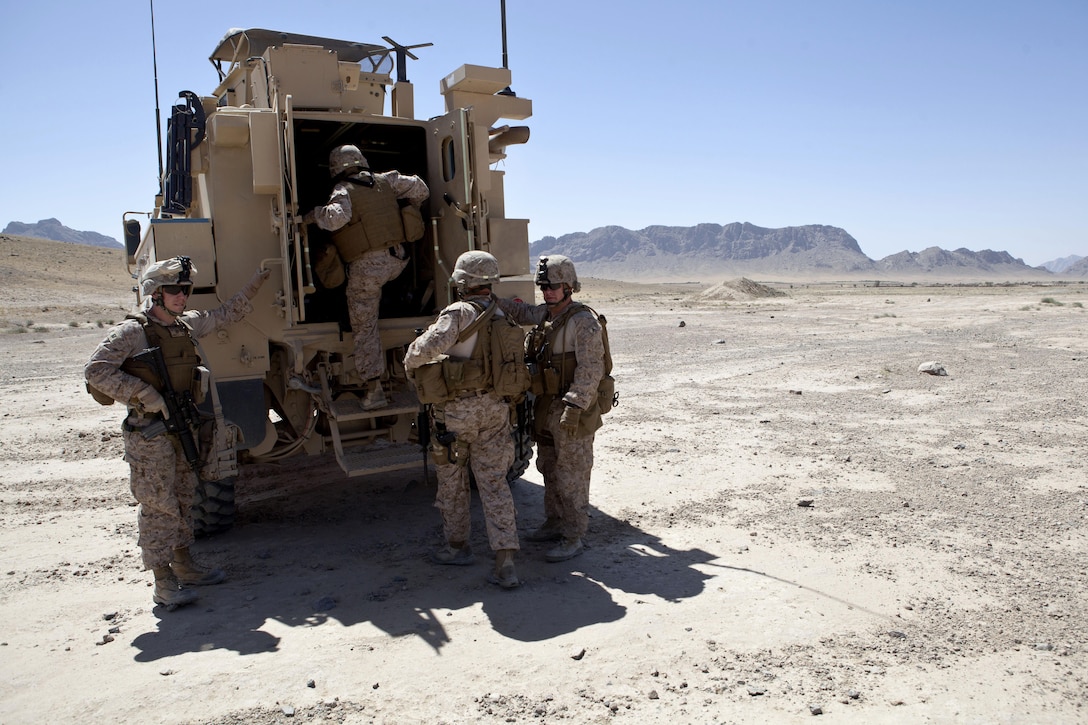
{"points": [[373, 450]]}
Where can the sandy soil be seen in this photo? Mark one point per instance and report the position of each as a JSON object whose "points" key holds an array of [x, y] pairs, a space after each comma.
{"points": [[789, 521]]}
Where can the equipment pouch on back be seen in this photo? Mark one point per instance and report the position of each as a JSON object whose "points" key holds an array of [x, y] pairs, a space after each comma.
{"points": [[413, 223]]}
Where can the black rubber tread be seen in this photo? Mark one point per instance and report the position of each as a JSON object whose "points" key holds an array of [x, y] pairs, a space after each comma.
{"points": [[213, 507]]}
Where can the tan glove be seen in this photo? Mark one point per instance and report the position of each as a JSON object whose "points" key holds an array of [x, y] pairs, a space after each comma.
{"points": [[255, 282], [569, 421], [152, 402]]}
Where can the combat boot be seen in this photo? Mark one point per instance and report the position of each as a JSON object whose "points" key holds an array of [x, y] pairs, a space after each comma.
{"points": [[505, 575], [456, 553], [548, 531], [168, 592], [192, 574], [567, 549], [375, 396]]}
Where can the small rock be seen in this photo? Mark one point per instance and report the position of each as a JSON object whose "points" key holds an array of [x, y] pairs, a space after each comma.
{"points": [[578, 653], [853, 694], [805, 503], [311, 683], [109, 616], [795, 392], [324, 604], [288, 710], [682, 323], [106, 639], [816, 709], [756, 691], [932, 368], [166, 673], [897, 634], [653, 695]]}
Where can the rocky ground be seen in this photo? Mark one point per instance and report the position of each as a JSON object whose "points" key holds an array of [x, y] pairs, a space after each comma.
{"points": [[790, 522]]}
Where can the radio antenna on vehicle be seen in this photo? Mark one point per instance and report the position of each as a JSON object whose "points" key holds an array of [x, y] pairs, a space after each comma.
{"points": [[505, 60], [155, 68]]}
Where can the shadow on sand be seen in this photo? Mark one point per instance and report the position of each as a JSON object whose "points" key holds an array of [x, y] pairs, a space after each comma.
{"points": [[357, 553]]}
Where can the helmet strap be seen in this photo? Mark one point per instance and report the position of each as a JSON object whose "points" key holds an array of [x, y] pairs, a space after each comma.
{"points": [[156, 298], [566, 296]]}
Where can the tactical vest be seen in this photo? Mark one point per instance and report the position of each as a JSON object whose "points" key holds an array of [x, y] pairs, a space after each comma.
{"points": [[553, 372], [375, 221], [496, 363], [178, 350]]}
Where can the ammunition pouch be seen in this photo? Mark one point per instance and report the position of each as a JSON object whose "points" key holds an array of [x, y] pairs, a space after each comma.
{"points": [[430, 383], [606, 394]]}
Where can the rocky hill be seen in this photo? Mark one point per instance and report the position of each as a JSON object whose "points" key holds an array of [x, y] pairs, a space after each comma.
{"points": [[709, 251], [54, 230], [1078, 269], [1058, 266]]}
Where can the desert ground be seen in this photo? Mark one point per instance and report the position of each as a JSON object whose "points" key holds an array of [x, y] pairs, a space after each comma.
{"points": [[790, 523]]}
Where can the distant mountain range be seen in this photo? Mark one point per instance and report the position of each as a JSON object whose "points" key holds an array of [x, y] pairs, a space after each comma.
{"points": [[53, 229], [709, 251]]}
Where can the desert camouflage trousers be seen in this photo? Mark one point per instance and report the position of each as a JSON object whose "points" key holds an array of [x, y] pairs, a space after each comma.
{"points": [[482, 423], [366, 275], [164, 486], [566, 463]]}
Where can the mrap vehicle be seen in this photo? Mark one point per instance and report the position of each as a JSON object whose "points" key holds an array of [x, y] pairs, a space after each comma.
{"points": [[244, 164]]}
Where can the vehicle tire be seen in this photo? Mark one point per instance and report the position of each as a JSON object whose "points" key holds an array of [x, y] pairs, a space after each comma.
{"points": [[213, 506]]}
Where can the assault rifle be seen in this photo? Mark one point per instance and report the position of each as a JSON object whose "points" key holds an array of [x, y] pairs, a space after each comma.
{"points": [[179, 404]]}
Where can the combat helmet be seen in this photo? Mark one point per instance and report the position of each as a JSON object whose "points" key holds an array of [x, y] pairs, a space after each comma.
{"points": [[557, 269], [344, 159], [475, 269], [176, 270]]}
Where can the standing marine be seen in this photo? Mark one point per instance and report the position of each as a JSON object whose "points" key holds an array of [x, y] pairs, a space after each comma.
{"points": [[162, 476], [567, 353], [471, 428]]}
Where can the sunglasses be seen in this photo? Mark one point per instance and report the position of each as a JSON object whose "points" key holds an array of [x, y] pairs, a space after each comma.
{"points": [[177, 289], [552, 287]]}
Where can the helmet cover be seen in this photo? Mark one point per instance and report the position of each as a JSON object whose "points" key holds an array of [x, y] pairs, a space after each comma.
{"points": [[343, 159], [475, 269], [557, 269], [176, 270]]}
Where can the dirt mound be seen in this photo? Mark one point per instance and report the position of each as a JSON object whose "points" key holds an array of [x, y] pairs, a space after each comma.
{"points": [[740, 289]]}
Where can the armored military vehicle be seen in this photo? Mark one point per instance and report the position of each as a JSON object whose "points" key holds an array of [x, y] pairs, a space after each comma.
{"points": [[244, 163]]}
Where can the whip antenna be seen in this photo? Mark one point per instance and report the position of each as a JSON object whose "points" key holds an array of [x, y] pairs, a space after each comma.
{"points": [[505, 62], [155, 68]]}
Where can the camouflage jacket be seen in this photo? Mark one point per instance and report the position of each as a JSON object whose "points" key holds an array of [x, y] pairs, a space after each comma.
{"points": [[126, 339]]}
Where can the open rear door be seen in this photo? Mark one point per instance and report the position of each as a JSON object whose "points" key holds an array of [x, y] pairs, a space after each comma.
{"points": [[455, 205]]}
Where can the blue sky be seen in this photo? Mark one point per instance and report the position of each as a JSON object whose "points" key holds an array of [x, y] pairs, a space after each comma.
{"points": [[908, 124]]}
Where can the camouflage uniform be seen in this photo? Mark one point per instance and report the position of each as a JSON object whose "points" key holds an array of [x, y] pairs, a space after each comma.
{"points": [[481, 423], [368, 273], [566, 460], [160, 478]]}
